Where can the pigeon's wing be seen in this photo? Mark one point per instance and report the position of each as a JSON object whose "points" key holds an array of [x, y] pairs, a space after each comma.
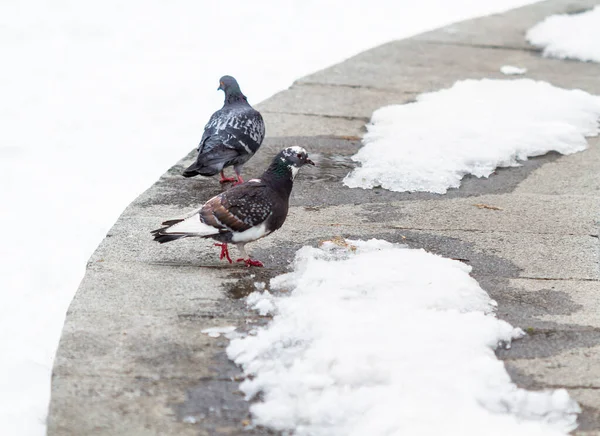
{"points": [[212, 127], [242, 130], [231, 137], [247, 132], [239, 209], [215, 151]]}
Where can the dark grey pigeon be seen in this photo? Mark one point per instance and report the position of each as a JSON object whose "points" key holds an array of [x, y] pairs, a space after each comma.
{"points": [[244, 213], [231, 137]]}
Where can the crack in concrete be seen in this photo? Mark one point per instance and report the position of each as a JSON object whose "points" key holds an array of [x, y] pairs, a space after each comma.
{"points": [[485, 46], [343, 117], [565, 279], [458, 229]]}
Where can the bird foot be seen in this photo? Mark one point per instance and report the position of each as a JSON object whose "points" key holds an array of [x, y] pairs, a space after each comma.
{"points": [[250, 262], [228, 179], [239, 181], [224, 252]]}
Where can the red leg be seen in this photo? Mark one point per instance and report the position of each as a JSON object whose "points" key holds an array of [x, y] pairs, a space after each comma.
{"points": [[226, 179], [250, 262], [224, 252], [239, 177]]}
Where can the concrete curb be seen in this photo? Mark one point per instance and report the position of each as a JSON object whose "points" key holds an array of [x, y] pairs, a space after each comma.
{"points": [[132, 360]]}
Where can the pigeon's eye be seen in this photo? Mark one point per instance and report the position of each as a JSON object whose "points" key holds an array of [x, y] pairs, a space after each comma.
{"points": [[299, 155]]}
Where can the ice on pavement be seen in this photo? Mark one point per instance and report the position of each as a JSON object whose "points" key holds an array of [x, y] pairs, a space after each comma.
{"points": [[377, 339], [572, 36], [215, 332], [473, 128], [511, 70]]}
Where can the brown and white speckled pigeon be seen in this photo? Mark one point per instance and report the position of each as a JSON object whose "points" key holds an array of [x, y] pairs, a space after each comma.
{"points": [[244, 213], [231, 137]]}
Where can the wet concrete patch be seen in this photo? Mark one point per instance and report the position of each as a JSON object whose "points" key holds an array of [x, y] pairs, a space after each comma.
{"points": [[322, 185], [217, 406], [540, 343], [454, 248], [245, 280], [522, 308], [588, 419]]}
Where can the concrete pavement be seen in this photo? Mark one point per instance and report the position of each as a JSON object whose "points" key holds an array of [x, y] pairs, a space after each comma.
{"points": [[132, 360]]}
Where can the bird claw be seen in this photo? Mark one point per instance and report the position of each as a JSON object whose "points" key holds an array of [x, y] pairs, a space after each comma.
{"points": [[239, 181], [224, 252], [250, 262], [226, 179], [229, 179]]}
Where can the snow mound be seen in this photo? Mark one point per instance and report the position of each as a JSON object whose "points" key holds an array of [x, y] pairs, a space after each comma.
{"points": [[375, 339], [575, 36], [471, 128], [262, 302]]}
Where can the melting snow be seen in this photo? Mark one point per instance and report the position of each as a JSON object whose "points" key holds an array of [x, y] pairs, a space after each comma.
{"points": [[510, 70], [574, 36], [471, 128], [262, 302], [376, 339]]}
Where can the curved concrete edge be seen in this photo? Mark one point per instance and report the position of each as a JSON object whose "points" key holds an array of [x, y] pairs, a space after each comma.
{"points": [[132, 359]]}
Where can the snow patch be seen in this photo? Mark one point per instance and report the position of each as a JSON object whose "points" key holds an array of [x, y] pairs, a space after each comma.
{"points": [[471, 128], [374, 337], [510, 70], [572, 36], [262, 302]]}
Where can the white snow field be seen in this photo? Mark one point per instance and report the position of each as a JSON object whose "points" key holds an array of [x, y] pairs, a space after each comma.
{"points": [[471, 128], [100, 98], [377, 339], [569, 36]]}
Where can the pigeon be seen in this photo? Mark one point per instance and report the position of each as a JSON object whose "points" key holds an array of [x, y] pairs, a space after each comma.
{"points": [[244, 213], [231, 137]]}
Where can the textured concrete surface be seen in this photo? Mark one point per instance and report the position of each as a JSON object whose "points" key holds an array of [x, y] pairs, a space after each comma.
{"points": [[132, 359]]}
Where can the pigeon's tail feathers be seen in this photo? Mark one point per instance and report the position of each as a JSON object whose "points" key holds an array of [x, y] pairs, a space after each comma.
{"points": [[198, 169], [213, 158], [183, 228], [161, 239], [172, 222]]}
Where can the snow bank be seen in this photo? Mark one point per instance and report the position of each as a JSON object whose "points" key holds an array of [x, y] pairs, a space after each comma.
{"points": [[471, 128], [575, 36], [376, 339]]}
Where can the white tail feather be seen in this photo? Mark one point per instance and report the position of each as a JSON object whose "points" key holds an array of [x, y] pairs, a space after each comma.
{"points": [[191, 226]]}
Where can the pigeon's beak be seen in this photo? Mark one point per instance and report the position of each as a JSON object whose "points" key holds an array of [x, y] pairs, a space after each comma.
{"points": [[310, 162], [220, 88]]}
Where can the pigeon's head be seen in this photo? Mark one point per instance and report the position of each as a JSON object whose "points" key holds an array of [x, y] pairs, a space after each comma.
{"points": [[232, 90], [293, 158], [228, 83]]}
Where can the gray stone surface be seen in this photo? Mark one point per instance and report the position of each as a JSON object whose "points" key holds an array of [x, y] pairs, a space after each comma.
{"points": [[415, 66], [282, 124], [506, 30], [333, 101], [132, 359]]}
